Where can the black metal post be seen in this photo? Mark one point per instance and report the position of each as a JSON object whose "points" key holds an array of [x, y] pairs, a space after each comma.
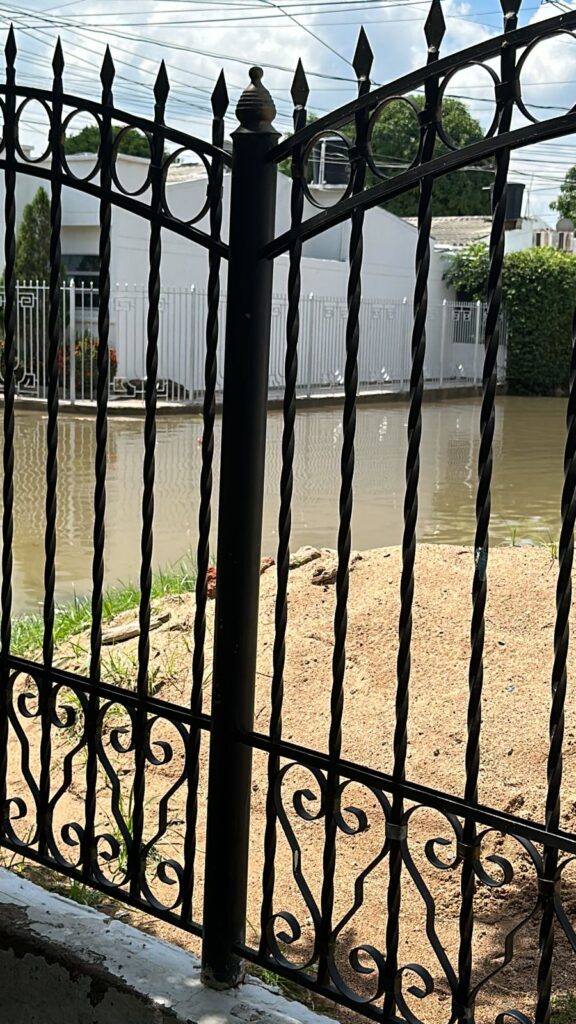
{"points": [[252, 211]]}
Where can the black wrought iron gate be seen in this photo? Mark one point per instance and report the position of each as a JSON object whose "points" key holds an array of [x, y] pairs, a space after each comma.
{"points": [[40, 701]]}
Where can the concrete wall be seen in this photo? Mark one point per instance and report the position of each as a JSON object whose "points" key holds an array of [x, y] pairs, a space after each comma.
{"points": [[61, 963]]}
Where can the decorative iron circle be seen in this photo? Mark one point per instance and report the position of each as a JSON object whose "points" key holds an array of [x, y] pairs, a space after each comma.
{"points": [[115, 150], [520, 67], [372, 124], [306, 157], [165, 171], [442, 133], [92, 174], [23, 156]]}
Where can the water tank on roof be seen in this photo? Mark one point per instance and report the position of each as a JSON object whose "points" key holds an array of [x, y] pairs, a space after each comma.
{"points": [[515, 194]]}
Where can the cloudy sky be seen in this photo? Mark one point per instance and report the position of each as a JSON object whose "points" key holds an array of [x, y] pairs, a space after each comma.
{"points": [[198, 37]]}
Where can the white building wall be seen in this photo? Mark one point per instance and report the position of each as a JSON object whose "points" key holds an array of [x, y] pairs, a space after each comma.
{"points": [[387, 279]]}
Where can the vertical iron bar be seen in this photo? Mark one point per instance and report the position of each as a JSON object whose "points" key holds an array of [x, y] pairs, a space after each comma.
{"points": [[99, 536], [464, 1003], [54, 341], [135, 865], [299, 96], [9, 395], [252, 211], [559, 687], [434, 30], [219, 107], [362, 64]]}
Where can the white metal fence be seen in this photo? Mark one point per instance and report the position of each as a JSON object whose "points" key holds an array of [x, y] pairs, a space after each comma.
{"points": [[454, 343]]}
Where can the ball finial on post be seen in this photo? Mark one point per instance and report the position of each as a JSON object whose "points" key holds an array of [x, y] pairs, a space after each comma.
{"points": [[256, 110]]}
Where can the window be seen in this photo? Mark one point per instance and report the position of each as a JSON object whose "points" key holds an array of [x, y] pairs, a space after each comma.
{"points": [[538, 239], [560, 239], [83, 270]]}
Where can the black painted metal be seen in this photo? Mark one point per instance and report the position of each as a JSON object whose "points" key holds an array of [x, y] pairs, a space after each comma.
{"points": [[252, 209], [140, 723], [105, 158], [435, 29], [300, 93], [114, 727], [219, 108], [9, 396], [327, 930]]}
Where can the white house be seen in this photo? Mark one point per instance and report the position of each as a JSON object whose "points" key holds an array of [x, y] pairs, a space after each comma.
{"points": [[387, 284]]}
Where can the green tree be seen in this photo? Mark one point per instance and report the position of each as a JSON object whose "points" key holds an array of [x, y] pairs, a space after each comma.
{"points": [[33, 241], [565, 204], [88, 141], [395, 138]]}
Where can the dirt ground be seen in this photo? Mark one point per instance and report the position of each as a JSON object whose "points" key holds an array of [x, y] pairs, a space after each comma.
{"points": [[514, 747]]}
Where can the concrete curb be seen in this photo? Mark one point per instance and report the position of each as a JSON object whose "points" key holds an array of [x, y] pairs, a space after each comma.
{"points": [[63, 963]]}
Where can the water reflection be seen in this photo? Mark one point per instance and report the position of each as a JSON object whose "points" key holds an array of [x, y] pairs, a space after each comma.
{"points": [[527, 480]]}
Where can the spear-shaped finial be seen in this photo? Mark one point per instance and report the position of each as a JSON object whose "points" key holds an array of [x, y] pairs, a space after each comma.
{"points": [[58, 59], [220, 99], [300, 89], [363, 57], [161, 85], [435, 26], [10, 49], [510, 9], [107, 71]]}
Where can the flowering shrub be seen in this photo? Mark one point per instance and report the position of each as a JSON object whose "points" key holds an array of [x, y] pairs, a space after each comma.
{"points": [[85, 365]]}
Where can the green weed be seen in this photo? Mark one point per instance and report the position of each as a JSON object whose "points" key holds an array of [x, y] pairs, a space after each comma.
{"points": [[563, 1010], [76, 616]]}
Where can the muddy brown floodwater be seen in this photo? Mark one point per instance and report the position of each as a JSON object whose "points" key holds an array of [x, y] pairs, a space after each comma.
{"points": [[526, 494]]}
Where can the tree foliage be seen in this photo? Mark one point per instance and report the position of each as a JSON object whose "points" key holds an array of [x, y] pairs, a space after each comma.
{"points": [[395, 139], [133, 143], [565, 204], [538, 289], [395, 142], [33, 241]]}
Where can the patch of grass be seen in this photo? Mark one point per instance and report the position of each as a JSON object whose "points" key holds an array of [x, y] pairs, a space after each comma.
{"points": [[551, 544], [76, 616], [563, 1010]]}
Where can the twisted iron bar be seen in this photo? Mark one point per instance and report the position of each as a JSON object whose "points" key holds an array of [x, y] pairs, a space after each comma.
{"points": [[559, 687], [220, 103], [354, 294], [464, 1001], [161, 89], [403, 664], [54, 340], [9, 395], [102, 381], [285, 513]]}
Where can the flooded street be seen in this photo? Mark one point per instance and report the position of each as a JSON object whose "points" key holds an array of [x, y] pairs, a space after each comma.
{"points": [[528, 455]]}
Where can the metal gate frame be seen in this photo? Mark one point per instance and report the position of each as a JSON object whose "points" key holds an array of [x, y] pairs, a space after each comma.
{"points": [[250, 251]]}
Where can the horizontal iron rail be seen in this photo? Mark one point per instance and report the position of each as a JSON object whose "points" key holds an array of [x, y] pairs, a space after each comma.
{"points": [[525, 136], [201, 146], [108, 691], [406, 83], [501, 821], [129, 203]]}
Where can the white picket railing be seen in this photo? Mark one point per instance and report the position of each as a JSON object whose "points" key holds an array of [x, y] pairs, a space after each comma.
{"points": [[454, 351]]}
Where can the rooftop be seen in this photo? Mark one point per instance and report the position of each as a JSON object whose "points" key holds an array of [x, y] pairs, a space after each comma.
{"points": [[457, 231]]}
